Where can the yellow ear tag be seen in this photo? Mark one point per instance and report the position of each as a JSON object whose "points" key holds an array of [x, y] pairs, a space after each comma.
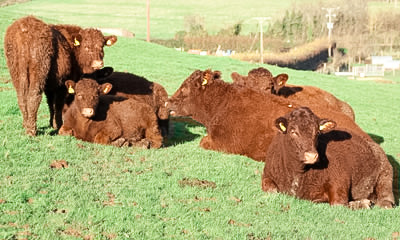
{"points": [[71, 90], [325, 126], [76, 42], [283, 128], [106, 89], [109, 42], [280, 83], [205, 81]]}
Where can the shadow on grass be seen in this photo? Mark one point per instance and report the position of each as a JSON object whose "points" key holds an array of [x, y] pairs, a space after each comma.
{"points": [[378, 139], [179, 131], [396, 178], [47, 131]]}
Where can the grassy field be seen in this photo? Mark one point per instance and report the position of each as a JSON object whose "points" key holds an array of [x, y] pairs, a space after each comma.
{"points": [[180, 191]]}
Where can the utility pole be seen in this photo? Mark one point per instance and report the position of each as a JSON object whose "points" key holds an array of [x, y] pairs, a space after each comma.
{"points": [[261, 20], [329, 25], [148, 19]]}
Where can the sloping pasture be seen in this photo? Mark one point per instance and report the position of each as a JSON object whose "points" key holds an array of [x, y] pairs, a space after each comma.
{"points": [[55, 187]]}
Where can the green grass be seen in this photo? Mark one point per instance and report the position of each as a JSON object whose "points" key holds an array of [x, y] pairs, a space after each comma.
{"points": [[167, 17], [126, 193]]}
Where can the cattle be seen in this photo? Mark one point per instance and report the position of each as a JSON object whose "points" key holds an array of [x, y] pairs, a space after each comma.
{"points": [[96, 117], [262, 80], [133, 86], [40, 57], [238, 120], [312, 159]]}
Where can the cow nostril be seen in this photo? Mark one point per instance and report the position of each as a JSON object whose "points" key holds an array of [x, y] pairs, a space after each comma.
{"points": [[87, 112], [97, 64]]}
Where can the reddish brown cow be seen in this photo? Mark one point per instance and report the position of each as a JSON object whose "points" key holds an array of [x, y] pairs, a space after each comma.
{"points": [[114, 120], [238, 120], [40, 57], [311, 160], [262, 80], [132, 86]]}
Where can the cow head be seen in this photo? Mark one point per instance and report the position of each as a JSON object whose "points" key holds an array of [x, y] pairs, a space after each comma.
{"points": [[87, 94], [300, 129], [188, 96], [88, 48], [261, 79]]}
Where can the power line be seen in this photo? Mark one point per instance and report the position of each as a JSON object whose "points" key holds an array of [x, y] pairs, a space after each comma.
{"points": [[329, 25]]}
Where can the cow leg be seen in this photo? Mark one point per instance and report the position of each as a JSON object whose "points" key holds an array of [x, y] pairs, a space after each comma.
{"points": [[34, 99], [268, 185], [384, 188], [207, 143], [153, 135], [58, 107], [338, 194], [102, 138], [50, 95]]}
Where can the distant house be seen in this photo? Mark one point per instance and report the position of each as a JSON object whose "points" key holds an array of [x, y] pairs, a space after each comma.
{"points": [[387, 62]]}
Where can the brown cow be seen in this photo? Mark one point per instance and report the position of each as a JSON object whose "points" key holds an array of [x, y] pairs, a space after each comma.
{"points": [[40, 57], [132, 86], [310, 160], [114, 120], [262, 80], [239, 120]]}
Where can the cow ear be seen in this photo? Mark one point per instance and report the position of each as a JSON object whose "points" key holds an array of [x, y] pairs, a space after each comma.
{"points": [[105, 88], [281, 79], [77, 39], [110, 40], [70, 86], [326, 125], [281, 124]]}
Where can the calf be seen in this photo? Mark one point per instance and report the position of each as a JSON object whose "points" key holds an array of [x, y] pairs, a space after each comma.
{"points": [[238, 120], [262, 80], [40, 57], [132, 86], [310, 160], [114, 120]]}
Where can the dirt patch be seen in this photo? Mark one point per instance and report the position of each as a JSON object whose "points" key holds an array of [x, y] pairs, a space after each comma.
{"points": [[197, 183], [58, 164], [239, 224]]}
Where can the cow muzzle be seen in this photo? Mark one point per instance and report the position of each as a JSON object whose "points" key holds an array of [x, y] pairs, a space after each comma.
{"points": [[97, 64], [87, 112], [310, 157]]}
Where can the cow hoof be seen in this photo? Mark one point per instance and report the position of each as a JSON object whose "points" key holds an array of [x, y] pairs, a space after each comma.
{"points": [[31, 132], [119, 142], [360, 204], [385, 204]]}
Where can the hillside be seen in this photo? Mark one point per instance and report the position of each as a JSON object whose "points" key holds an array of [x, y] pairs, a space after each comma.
{"points": [[180, 191]]}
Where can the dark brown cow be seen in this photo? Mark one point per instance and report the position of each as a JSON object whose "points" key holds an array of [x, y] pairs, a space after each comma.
{"points": [[40, 57], [132, 86], [239, 120], [310, 160], [113, 120], [262, 80]]}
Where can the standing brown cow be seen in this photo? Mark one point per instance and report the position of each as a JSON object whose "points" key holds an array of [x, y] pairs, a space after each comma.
{"points": [[40, 57]]}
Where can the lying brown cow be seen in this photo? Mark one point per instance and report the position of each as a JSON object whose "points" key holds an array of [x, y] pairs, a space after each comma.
{"points": [[114, 120], [262, 80], [40, 57], [132, 86], [309, 160], [239, 120]]}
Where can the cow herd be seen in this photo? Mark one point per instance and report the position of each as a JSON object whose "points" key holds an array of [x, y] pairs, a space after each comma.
{"points": [[307, 138]]}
